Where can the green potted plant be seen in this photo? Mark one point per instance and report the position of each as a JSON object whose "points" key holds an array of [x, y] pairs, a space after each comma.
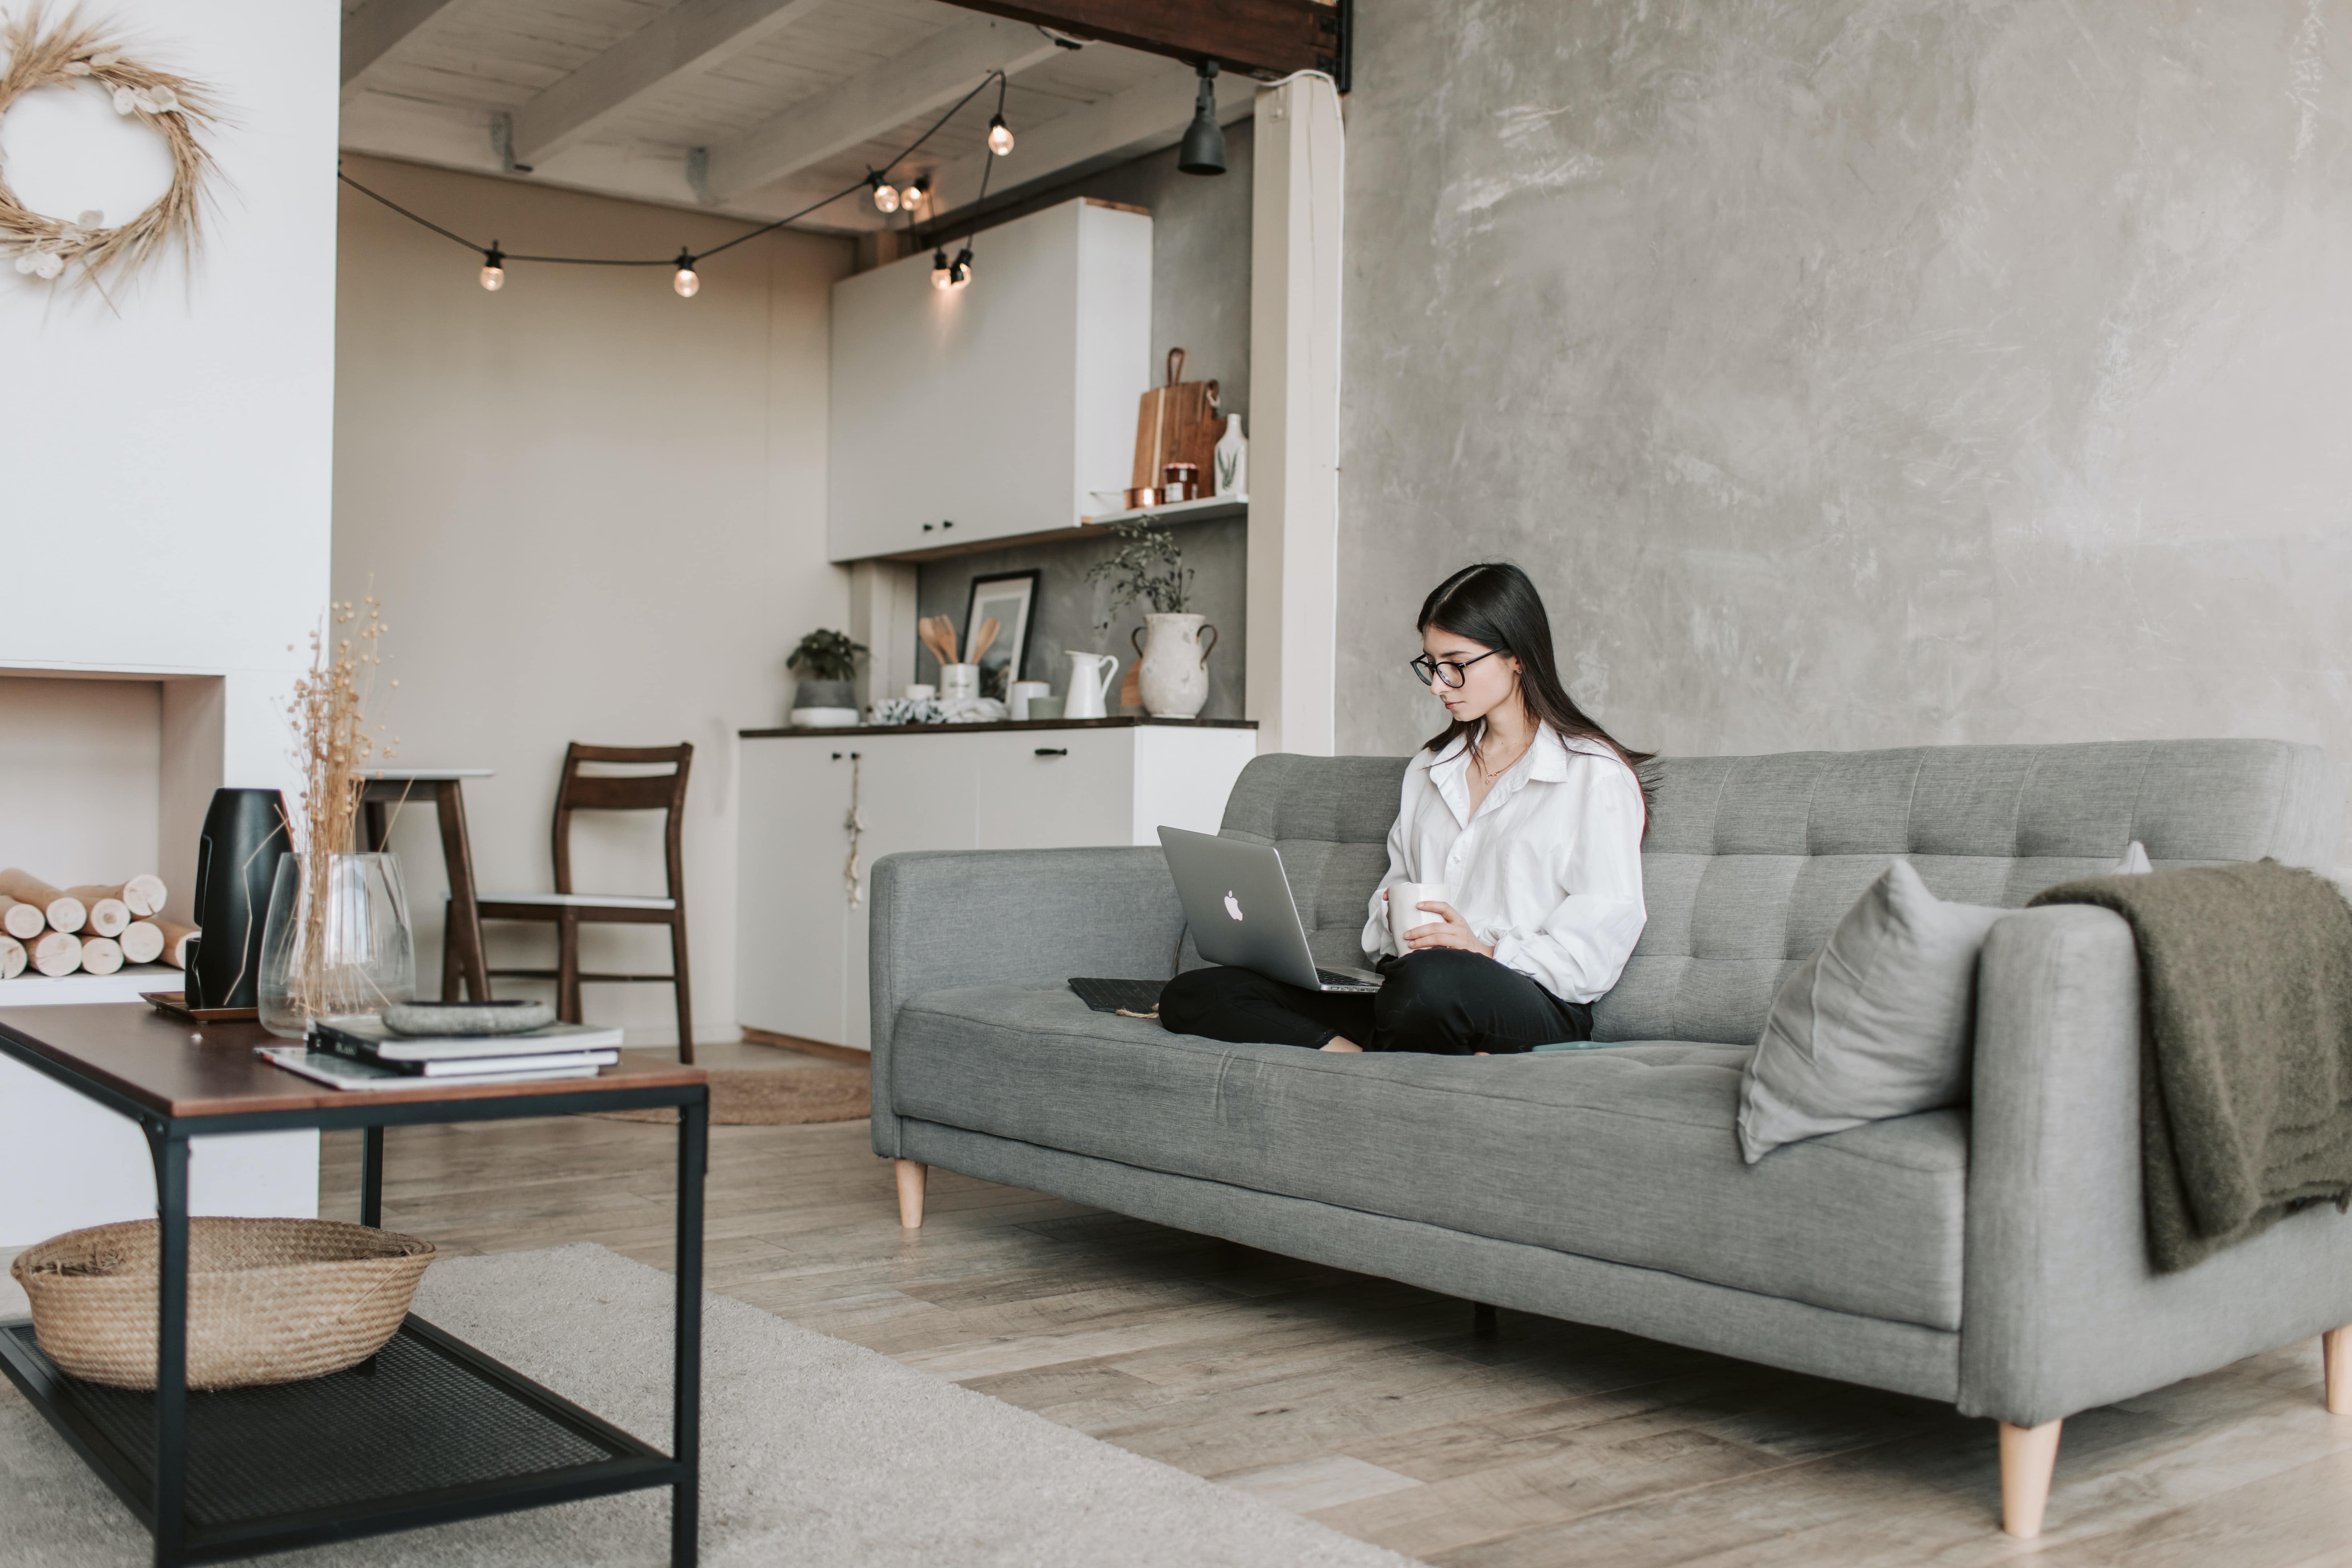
{"points": [[826, 662], [1172, 661]]}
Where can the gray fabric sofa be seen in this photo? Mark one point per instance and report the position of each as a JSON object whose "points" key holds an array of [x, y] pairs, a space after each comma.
{"points": [[1990, 1255]]}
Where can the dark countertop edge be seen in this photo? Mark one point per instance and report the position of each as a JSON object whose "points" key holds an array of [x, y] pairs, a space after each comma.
{"points": [[1124, 722]]}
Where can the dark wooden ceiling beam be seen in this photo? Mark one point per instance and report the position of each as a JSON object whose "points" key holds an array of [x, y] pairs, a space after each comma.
{"points": [[1257, 37]]}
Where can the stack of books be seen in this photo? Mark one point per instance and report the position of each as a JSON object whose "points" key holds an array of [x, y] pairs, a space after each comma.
{"points": [[359, 1052]]}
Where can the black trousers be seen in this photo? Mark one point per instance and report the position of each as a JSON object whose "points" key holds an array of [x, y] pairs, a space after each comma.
{"points": [[1440, 1000]]}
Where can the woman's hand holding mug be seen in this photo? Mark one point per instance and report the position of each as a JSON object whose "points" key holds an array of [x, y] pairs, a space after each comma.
{"points": [[1419, 917]]}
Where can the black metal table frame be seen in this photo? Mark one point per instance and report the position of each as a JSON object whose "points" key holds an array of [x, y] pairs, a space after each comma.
{"points": [[163, 1513]]}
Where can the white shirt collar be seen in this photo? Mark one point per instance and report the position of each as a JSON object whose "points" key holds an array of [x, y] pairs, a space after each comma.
{"points": [[1545, 761]]}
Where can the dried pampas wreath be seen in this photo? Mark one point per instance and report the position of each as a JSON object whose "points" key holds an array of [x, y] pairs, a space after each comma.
{"points": [[72, 52]]}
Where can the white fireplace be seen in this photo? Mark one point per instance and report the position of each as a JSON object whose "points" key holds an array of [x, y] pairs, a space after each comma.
{"points": [[169, 449]]}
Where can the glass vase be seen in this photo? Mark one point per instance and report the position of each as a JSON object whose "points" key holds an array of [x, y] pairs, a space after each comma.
{"points": [[334, 944]]}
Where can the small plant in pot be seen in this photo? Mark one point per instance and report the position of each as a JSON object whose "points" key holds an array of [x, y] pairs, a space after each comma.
{"points": [[1172, 662], [826, 662]]}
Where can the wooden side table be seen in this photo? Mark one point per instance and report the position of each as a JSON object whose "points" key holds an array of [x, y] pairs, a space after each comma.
{"points": [[461, 940], [431, 1430]]}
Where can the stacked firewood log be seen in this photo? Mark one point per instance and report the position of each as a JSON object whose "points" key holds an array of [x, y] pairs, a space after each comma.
{"points": [[96, 928]]}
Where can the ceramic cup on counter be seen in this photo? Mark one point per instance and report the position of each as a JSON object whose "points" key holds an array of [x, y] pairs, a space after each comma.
{"points": [[1022, 694], [958, 680], [1406, 913], [1044, 707], [920, 692]]}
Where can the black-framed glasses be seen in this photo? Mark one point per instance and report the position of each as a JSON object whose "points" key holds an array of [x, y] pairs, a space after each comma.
{"points": [[1446, 669]]}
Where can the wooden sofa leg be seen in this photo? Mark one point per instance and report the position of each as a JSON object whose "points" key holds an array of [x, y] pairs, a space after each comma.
{"points": [[2336, 1357], [2028, 1457], [911, 1192]]}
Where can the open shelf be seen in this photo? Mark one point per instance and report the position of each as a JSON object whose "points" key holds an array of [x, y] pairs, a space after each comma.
{"points": [[1208, 511], [125, 984], [428, 1429]]}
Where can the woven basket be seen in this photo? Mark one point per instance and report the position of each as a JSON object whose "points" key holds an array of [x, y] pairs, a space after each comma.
{"points": [[270, 1300]]}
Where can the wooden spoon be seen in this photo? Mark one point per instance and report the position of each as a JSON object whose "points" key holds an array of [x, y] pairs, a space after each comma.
{"points": [[983, 638]]}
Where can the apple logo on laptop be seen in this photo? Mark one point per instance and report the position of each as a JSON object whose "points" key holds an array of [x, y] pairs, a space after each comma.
{"points": [[1233, 906]]}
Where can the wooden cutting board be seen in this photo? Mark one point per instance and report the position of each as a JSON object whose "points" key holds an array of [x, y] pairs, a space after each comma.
{"points": [[1177, 423]]}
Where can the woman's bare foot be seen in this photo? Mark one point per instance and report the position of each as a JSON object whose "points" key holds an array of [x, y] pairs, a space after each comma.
{"points": [[1341, 1043]]}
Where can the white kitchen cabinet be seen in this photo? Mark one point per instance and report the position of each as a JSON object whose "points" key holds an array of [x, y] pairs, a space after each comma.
{"points": [[802, 948], [992, 410]]}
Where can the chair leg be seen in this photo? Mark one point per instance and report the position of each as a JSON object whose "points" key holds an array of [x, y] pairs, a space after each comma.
{"points": [[567, 967], [911, 1192], [684, 996], [2335, 1359], [449, 952], [2029, 1455]]}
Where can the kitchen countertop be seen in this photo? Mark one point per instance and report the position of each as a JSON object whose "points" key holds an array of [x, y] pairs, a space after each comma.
{"points": [[1124, 722]]}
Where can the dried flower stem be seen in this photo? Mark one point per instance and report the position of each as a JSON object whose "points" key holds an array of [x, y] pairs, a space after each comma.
{"points": [[328, 713]]}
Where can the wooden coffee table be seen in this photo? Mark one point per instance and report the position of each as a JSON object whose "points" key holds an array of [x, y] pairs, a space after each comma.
{"points": [[431, 1429]]}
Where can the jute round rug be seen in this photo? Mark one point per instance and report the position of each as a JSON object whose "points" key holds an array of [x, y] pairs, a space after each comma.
{"points": [[817, 1453]]}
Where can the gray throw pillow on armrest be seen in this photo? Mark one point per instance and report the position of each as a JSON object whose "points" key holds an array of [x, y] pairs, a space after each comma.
{"points": [[1874, 1025]]}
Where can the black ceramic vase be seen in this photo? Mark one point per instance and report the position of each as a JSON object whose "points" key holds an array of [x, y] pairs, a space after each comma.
{"points": [[237, 862]]}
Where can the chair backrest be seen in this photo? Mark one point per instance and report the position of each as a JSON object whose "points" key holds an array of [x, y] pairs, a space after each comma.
{"points": [[662, 791], [1750, 861]]}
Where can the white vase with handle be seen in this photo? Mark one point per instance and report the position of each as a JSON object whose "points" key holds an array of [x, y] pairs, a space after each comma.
{"points": [[1174, 674], [1089, 690]]}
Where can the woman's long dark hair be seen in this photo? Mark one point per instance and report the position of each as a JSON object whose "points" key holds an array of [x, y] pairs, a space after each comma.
{"points": [[1495, 606]]}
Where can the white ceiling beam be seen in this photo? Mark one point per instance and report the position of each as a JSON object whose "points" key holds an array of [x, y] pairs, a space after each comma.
{"points": [[930, 76], [375, 29], [695, 38], [1144, 118]]}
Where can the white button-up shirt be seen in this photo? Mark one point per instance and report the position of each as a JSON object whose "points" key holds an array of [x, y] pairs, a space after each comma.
{"points": [[1549, 872]]}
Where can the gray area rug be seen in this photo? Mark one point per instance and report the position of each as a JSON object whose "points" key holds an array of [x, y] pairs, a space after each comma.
{"points": [[815, 1451]]}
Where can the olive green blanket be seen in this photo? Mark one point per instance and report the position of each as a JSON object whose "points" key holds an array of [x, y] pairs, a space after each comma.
{"points": [[2246, 1046]]}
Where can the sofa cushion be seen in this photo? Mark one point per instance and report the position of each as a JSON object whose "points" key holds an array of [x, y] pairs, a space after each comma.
{"points": [[1872, 1025], [1626, 1154]]}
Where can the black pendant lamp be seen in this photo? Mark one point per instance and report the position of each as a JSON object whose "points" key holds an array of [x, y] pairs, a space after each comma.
{"points": [[1203, 150]]}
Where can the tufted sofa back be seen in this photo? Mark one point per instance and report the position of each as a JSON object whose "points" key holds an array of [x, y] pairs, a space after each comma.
{"points": [[1750, 860]]}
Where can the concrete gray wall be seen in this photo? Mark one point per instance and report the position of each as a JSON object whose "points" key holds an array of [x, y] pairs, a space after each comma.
{"points": [[1858, 374], [1200, 303]]}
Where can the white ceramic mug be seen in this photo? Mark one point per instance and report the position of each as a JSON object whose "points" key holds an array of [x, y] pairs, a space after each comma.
{"points": [[920, 692], [1091, 675], [1406, 913], [958, 680], [1022, 690]]}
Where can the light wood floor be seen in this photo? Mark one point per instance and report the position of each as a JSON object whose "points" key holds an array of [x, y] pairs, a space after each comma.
{"points": [[1375, 1407]]}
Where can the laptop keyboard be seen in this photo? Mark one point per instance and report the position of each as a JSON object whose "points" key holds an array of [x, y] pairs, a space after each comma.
{"points": [[1345, 982]]}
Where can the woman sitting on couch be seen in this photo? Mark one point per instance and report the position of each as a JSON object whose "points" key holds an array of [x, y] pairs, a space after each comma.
{"points": [[1527, 811]]}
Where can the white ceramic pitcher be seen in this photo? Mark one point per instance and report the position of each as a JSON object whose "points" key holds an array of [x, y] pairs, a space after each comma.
{"points": [[1090, 678]]}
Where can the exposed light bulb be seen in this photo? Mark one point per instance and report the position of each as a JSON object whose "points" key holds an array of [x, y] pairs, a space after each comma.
{"points": [[494, 272], [942, 279], [959, 274], [686, 284], [1000, 135], [886, 195], [912, 196]]}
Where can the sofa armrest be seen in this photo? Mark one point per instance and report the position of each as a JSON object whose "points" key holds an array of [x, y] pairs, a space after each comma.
{"points": [[1017, 917], [2061, 1310]]}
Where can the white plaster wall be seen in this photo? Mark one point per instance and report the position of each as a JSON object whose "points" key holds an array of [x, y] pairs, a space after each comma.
{"points": [[594, 511], [1861, 374], [167, 465]]}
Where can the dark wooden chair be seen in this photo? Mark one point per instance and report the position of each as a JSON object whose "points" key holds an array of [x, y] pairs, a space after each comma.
{"points": [[567, 911]]}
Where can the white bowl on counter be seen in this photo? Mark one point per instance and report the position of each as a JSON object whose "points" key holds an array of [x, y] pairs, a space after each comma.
{"points": [[824, 718]]}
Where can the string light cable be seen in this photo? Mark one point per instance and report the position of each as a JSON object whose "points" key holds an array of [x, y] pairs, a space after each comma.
{"points": [[686, 280]]}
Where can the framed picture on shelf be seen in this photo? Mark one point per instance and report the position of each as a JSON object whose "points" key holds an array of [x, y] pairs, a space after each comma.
{"points": [[1005, 597]]}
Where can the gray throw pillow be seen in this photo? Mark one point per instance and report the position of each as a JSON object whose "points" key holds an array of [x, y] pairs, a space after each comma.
{"points": [[1874, 1025]]}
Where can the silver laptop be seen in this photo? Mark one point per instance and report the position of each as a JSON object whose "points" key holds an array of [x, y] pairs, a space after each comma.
{"points": [[1238, 903]]}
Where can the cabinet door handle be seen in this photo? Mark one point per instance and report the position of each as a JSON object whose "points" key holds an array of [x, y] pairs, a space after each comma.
{"points": [[1052, 751]]}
